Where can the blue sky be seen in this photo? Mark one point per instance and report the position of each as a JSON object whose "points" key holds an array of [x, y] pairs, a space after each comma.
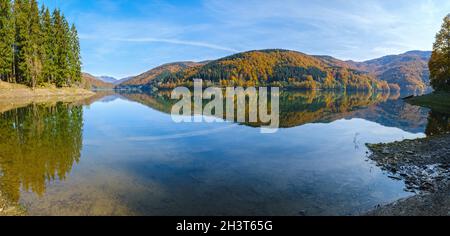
{"points": [[127, 37]]}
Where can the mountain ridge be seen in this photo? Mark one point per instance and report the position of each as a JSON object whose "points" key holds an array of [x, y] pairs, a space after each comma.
{"points": [[107, 79], [406, 71], [93, 82]]}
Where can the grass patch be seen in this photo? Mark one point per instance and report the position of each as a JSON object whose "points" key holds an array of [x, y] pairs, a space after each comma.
{"points": [[437, 101]]}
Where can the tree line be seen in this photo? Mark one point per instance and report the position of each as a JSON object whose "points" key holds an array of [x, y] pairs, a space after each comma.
{"points": [[37, 47], [279, 68]]}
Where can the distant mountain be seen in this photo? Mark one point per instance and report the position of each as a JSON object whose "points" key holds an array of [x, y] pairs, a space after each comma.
{"points": [[160, 71], [117, 82], [408, 70], [92, 82], [284, 68], [276, 67], [107, 79]]}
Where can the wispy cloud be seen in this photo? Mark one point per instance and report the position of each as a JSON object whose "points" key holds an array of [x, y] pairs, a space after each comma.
{"points": [[175, 41], [355, 30], [122, 37]]}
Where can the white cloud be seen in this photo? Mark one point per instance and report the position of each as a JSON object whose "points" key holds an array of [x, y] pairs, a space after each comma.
{"points": [[165, 31], [175, 41], [327, 27]]}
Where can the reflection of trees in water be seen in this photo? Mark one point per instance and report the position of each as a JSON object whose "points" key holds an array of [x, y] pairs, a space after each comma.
{"points": [[296, 107], [302, 107], [438, 123], [39, 143]]}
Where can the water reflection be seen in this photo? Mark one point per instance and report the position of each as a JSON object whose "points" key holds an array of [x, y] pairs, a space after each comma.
{"points": [[39, 143], [438, 123], [319, 167], [304, 107]]}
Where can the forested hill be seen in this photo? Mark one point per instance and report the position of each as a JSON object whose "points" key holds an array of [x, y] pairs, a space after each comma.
{"points": [[267, 67], [408, 70], [37, 47], [91, 82], [159, 73]]}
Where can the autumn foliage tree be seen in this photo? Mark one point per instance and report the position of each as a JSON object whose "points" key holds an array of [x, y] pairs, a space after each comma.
{"points": [[440, 59]]}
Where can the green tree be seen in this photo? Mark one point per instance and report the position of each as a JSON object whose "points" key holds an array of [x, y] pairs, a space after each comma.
{"points": [[48, 48], [22, 41], [74, 56], [35, 44], [6, 41], [37, 47], [61, 37], [440, 59]]}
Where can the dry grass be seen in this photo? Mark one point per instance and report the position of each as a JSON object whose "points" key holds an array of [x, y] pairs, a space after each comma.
{"points": [[8, 90]]}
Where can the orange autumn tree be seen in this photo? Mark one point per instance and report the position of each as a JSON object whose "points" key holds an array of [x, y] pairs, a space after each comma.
{"points": [[440, 59]]}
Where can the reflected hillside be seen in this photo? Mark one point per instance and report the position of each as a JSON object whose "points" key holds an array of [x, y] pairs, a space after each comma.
{"points": [[395, 113], [39, 143], [299, 108], [303, 107]]}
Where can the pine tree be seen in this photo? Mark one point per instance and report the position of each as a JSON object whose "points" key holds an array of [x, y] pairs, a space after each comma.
{"points": [[440, 58], [35, 44], [75, 57], [6, 41], [22, 41], [37, 47], [60, 33], [48, 48]]}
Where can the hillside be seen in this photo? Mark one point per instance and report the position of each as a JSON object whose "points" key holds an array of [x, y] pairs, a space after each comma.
{"points": [[107, 79], [92, 82], [266, 67], [146, 77], [408, 70], [120, 81]]}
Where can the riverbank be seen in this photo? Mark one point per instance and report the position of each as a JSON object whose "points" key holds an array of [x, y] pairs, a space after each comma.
{"points": [[14, 95], [424, 166], [16, 91]]}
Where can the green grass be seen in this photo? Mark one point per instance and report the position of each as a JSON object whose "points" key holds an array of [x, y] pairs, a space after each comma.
{"points": [[438, 101]]}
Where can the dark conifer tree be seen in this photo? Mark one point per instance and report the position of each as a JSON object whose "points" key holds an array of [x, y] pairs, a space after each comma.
{"points": [[22, 41], [37, 47], [6, 41], [48, 48], [35, 44], [75, 56]]}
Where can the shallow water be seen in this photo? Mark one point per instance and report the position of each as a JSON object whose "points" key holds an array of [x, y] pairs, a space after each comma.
{"points": [[123, 155]]}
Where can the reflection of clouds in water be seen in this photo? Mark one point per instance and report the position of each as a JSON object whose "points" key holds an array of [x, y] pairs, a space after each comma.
{"points": [[179, 135]]}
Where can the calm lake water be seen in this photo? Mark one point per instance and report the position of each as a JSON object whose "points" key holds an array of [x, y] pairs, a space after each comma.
{"points": [[121, 154]]}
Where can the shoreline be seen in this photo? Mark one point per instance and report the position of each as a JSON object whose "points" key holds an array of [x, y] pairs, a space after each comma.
{"points": [[15, 95], [424, 166], [23, 92]]}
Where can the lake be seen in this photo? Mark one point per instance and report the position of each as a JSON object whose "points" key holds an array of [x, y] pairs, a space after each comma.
{"points": [[121, 154]]}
